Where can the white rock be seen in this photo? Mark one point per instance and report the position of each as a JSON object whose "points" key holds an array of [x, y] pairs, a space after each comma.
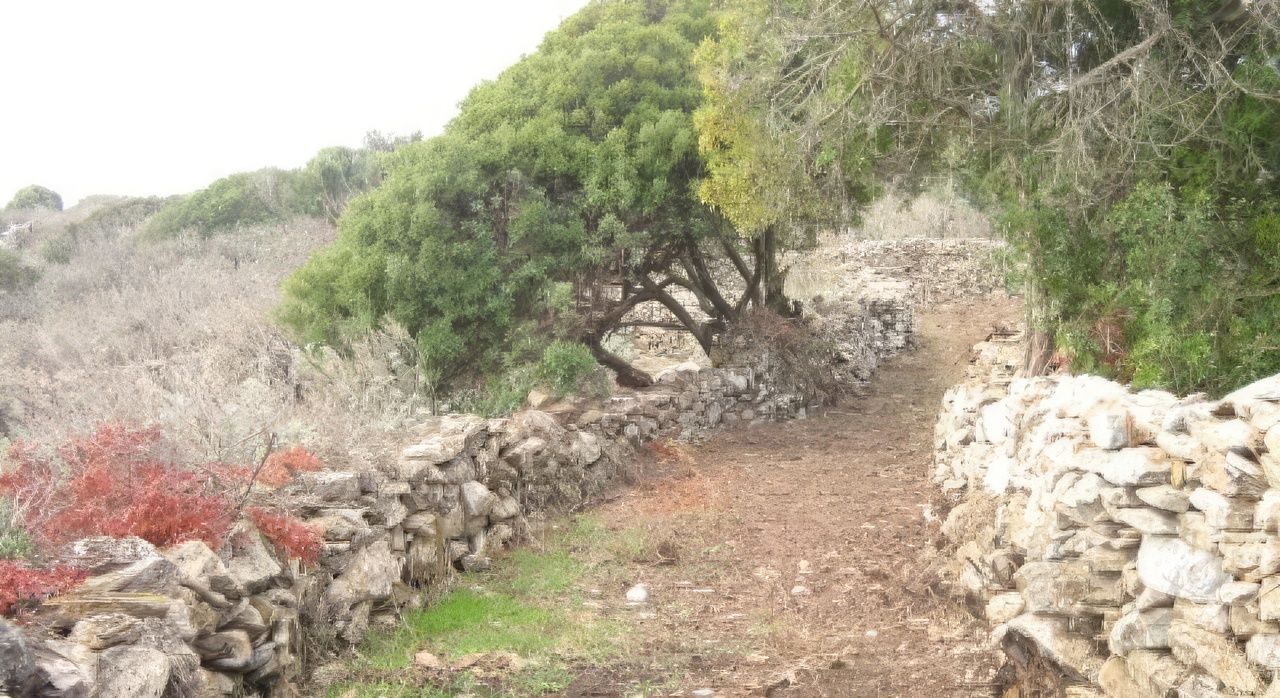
{"points": [[1004, 607], [477, 500], [1110, 429], [1264, 650], [1165, 497], [1141, 630], [638, 594], [1238, 592], [800, 590], [1148, 521], [1140, 466], [1171, 566]]}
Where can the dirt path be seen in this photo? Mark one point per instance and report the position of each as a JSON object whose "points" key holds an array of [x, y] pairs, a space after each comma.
{"points": [[794, 559]]}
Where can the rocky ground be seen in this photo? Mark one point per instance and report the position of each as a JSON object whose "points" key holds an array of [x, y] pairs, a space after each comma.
{"points": [[798, 558]]}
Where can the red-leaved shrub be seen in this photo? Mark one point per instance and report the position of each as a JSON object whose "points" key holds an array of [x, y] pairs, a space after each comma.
{"points": [[111, 483], [290, 536], [282, 466], [22, 585]]}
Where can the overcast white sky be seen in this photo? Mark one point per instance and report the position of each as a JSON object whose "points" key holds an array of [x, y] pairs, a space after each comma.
{"points": [[165, 96]]}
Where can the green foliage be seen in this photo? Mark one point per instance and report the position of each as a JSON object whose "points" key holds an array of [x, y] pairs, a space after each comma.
{"points": [[122, 214], [565, 365], [247, 198], [581, 154], [62, 247], [15, 274], [15, 543], [35, 196]]}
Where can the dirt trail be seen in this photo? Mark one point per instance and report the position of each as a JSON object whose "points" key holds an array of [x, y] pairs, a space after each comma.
{"points": [[794, 559]]}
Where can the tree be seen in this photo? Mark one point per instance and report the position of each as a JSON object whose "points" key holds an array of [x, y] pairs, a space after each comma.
{"points": [[1126, 146], [35, 196], [577, 166]]}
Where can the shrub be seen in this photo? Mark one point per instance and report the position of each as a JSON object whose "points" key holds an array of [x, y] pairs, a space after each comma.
{"points": [[282, 466], [110, 483], [237, 200], [35, 196], [16, 275], [15, 542], [566, 366], [61, 248], [22, 585], [291, 537]]}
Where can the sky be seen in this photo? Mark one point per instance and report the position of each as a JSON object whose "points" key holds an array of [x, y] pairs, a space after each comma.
{"points": [[141, 97]]}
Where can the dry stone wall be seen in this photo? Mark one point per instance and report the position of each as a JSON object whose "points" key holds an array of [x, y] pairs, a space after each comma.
{"points": [[190, 620], [1119, 543]]}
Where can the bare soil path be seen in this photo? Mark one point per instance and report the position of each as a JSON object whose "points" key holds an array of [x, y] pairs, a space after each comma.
{"points": [[797, 559]]}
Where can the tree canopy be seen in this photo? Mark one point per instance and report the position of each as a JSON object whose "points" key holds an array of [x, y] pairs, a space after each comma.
{"points": [[35, 196], [564, 194], [1127, 147]]}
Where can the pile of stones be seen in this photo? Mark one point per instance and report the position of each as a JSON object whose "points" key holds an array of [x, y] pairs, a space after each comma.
{"points": [[1130, 540]]}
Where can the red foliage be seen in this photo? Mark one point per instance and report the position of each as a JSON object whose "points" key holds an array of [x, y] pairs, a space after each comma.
{"points": [[290, 536], [282, 466], [114, 485], [22, 584]]}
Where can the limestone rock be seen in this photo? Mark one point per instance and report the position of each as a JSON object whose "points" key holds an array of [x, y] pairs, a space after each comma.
{"points": [[66, 669], [1003, 608], [103, 630], [1171, 566], [1110, 429], [121, 564], [1264, 650], [1141, 630], [477, 500], [368, 576], [1140, 466], [1165, 497], [17, 665], [250, 562], [1238, 592], [329, 486], [1148, 521], [1209, 616], [132, 672], [1218, 655], [1056, 641]]}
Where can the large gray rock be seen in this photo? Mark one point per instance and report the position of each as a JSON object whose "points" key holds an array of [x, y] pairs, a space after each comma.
{"points": [[249, 561], [1171, 566], [66, 669], [121, 564], [477, 500], [368, 576], [17, 665], [132, 672]]}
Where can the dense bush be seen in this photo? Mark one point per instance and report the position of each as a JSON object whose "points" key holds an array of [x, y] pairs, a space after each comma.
{"points": [[15, 542], [23, 585], [281, 466], [234, 201], [113, 483], [35, 196], [15, 274], [291, 537]]}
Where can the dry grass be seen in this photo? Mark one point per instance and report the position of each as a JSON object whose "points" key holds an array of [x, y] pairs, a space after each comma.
{"points": [[934, 214], [179, 334]]}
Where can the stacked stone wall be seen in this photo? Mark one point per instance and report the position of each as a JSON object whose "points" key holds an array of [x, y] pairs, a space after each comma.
{"points": [[1119, 542], [190, 620]]}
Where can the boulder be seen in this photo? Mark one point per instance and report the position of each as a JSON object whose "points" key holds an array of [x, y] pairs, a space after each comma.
{"points": [[1148, 521], [1053, 636], [1111, 429], [368, 576], [1140, 466], [1003, 608], [132, 672], [1218, 655], [1169, 565], [250, 562], [17, 664], [1165, 497], [477, 500], [65, 669], [103, 630], [121, 564], [329, 486], [1264, 650], [1141, 630]]}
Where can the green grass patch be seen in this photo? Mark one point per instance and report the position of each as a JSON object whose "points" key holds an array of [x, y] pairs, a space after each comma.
{"points": [[531, 604]]}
